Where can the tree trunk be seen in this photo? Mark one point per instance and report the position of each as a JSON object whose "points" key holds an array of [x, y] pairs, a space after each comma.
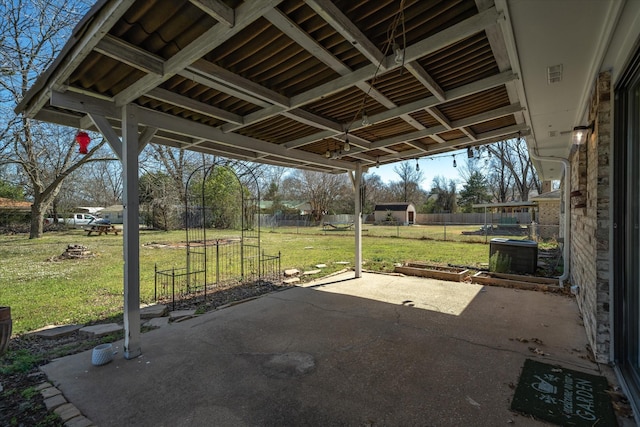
{"points": [[37, 219]]}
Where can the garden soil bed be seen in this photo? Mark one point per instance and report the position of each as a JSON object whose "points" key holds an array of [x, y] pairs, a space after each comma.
{"points": [[453, 274]]}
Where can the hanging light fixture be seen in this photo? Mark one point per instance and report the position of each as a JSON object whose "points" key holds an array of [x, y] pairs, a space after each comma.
{"points": [[378, 161], [469, 152], [455, 165], [347, 146], [83, 139], [417, 166], [327, 154]]}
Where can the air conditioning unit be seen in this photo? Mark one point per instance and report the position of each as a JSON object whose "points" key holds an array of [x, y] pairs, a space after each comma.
{"points": [[523, 254]]}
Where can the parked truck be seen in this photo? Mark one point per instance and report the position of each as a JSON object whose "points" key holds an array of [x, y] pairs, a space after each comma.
{"points": [[76, 220]]}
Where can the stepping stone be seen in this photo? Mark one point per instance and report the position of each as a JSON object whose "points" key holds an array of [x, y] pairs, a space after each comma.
{"points": [[342, 262], [49, 392], [67, 411], [151, 311], [55, 401], [291, 280], [97, 331], [310, 272], [42, 386], [53, 332], [181, 314], [321, 265], [157, 322], [79, 421], [291, 272]]}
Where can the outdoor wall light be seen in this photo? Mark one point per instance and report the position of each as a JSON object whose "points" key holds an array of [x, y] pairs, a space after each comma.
{"points": [[579, 134]]}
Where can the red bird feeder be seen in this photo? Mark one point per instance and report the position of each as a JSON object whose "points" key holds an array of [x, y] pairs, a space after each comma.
{"points": [[83, 139]]}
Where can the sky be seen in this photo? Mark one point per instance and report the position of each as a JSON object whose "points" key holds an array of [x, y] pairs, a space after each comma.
{"points": [[438, 165]]}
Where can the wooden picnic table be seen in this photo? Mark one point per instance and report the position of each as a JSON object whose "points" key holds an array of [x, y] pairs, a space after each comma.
{"points": [[102, 229]]}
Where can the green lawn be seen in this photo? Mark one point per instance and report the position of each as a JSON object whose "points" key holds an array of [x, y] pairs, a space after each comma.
{"points": [[435, 232], [43, 292]]}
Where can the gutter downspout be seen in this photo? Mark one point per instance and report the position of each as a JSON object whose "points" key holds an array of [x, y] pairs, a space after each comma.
{"points": [[566, 248]]}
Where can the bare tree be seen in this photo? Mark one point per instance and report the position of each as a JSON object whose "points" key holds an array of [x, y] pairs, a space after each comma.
{"points": [[321, 190], [32, 35], [374, 191], [514, 156], [408, 188]]}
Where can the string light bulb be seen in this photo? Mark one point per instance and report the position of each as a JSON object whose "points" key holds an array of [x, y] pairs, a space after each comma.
{"points": [[347, 146], [417, 166], [399, 58], [378, 161], [365, 118], [327, 154], [455, 165]]}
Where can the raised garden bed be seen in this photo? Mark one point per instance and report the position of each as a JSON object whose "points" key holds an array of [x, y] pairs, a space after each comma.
{"points": [[453, 274], [517, 281]]}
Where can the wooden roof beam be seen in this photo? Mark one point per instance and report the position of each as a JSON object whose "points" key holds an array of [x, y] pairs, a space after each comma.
{"points": [[131, 55], [245, 14], [193, 105], [216, 9], [439, 116], [427, 81], [339, 22]]}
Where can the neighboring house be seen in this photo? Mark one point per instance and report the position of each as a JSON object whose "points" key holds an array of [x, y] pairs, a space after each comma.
{"points": [[548, 219], [403, 213], [113, 213], [13, 211]]}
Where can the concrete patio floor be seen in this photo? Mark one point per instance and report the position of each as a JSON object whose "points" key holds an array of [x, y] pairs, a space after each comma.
{"points": [[379, 350]]}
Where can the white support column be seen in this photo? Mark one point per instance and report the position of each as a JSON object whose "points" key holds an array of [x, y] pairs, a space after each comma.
{"points": [[131, 230], [358, 220]]}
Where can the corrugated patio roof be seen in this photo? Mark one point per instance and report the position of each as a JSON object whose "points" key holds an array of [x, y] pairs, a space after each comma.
{"points": [[287, 82]]}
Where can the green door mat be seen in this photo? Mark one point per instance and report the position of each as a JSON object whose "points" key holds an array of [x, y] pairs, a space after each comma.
{"points": [[563, 396]]}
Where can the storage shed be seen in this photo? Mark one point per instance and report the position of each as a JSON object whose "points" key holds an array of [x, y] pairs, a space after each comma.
{"points": [[403, 213]]}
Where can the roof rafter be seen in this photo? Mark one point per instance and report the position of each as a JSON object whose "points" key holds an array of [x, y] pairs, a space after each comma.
{"points": [[338, 20], [245, 14], [217, 9]]}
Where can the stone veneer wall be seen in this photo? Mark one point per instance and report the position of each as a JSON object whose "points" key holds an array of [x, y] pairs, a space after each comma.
{"points": [[590, 221]]}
